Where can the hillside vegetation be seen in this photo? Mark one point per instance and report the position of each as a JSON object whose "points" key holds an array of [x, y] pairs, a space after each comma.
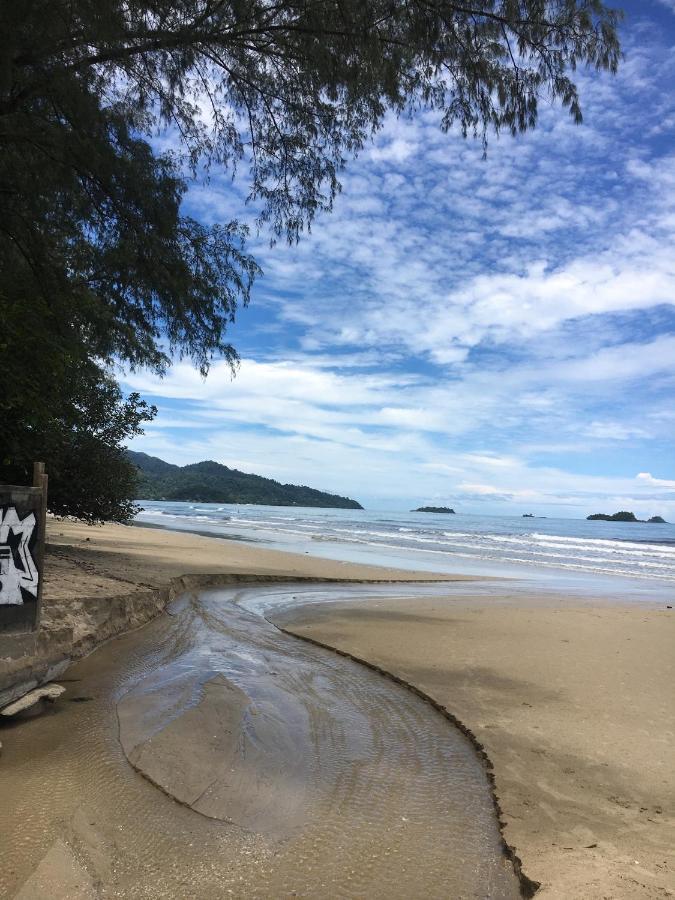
{"points": [[211, 482], [624, 516]]}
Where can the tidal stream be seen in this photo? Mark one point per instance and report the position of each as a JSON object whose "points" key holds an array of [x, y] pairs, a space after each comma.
{"points": [[297, 772]]}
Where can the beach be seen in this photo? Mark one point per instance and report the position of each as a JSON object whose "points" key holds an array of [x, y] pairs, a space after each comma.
{"points": [[85, 561], [569, 698]]}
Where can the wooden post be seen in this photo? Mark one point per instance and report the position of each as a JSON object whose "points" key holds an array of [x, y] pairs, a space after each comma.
{"points": [[41, 480]]}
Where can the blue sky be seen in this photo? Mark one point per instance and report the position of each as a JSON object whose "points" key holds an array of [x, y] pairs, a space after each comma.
{"points": [[494, 334]]}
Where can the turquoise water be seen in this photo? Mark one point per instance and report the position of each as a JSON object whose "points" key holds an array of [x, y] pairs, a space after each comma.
{"points": [[579, 550]]}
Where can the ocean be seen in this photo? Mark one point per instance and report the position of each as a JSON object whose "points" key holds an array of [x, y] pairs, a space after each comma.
{"points": [[546, 548]]}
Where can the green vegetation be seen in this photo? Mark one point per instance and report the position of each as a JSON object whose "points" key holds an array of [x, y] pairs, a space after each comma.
{"points": [[100, 266], [210, 482], [77, 425], [624, 516], [434, 509]]}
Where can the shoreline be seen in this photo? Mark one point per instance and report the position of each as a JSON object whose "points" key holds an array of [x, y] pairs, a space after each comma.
{"points": [[565, 555], [494, 633], [140, 558], [101, 581]]}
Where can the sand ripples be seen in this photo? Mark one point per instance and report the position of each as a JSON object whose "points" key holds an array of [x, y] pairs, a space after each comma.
{"points": [[312, 776]]}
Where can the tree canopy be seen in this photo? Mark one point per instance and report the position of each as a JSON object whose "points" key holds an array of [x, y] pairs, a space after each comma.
{"points": [[97, 255], [79, 428]]}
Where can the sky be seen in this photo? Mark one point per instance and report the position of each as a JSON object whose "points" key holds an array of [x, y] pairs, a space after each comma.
{"points": [[493, 334]]}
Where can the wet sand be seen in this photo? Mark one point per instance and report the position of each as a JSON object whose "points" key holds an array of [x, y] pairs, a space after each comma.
{"points": [[297, 773]]}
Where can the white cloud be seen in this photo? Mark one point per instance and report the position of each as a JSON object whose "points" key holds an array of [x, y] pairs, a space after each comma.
{"points": [[658, 482], [398, 150], [372, 435], [613, 431], [477, 331], [369, 409]]}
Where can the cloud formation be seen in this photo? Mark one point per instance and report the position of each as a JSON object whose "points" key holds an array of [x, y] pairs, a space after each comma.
{"points": [[490, 332]]}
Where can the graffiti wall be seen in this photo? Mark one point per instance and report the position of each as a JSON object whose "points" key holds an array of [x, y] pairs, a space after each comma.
{"points": [[21, 552]]}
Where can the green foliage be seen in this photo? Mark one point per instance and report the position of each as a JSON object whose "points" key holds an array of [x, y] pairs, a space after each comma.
{"points": [[77, 431], [624, 516], [210, 482], [434, 509], [91, 224], [621, 516], [59, 406], [292, 87]]}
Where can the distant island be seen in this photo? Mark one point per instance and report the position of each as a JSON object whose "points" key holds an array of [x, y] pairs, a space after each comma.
{"points": [[434, 509], [624, 516], [211, 482]]}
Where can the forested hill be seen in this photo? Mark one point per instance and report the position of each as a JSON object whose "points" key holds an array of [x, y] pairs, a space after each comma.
{"points": [[210, 482]]}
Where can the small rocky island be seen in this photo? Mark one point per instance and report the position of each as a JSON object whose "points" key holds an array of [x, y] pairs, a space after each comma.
{"points": [[624, 516], [434, 509]]}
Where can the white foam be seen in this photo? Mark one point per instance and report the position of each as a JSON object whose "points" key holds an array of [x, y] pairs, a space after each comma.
{"points": [[607, 556]]}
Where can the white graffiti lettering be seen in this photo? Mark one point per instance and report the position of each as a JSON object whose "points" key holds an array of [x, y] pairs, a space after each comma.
{"points": [[17, 567]]}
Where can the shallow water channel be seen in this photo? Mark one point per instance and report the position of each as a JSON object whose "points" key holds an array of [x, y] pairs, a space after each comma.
{"points": [[297, 772]]}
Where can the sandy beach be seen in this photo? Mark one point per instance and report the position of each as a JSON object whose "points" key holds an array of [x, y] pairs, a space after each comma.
{"points": [[573, 704], [87, 561], [571, 700]]}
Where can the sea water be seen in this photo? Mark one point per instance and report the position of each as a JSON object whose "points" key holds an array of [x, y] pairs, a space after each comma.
{"points": [[576, 551]]}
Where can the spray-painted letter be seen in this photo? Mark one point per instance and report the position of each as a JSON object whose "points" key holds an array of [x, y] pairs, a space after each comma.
{"points": [[17, 567]]}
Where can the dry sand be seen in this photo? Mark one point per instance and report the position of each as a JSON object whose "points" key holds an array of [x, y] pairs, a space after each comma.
{"points": [[573, 701], [86, 561], [574, 704]]}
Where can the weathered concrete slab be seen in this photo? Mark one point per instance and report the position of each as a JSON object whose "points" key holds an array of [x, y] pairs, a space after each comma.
{"points": [[45, 692], [34, 659]]}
